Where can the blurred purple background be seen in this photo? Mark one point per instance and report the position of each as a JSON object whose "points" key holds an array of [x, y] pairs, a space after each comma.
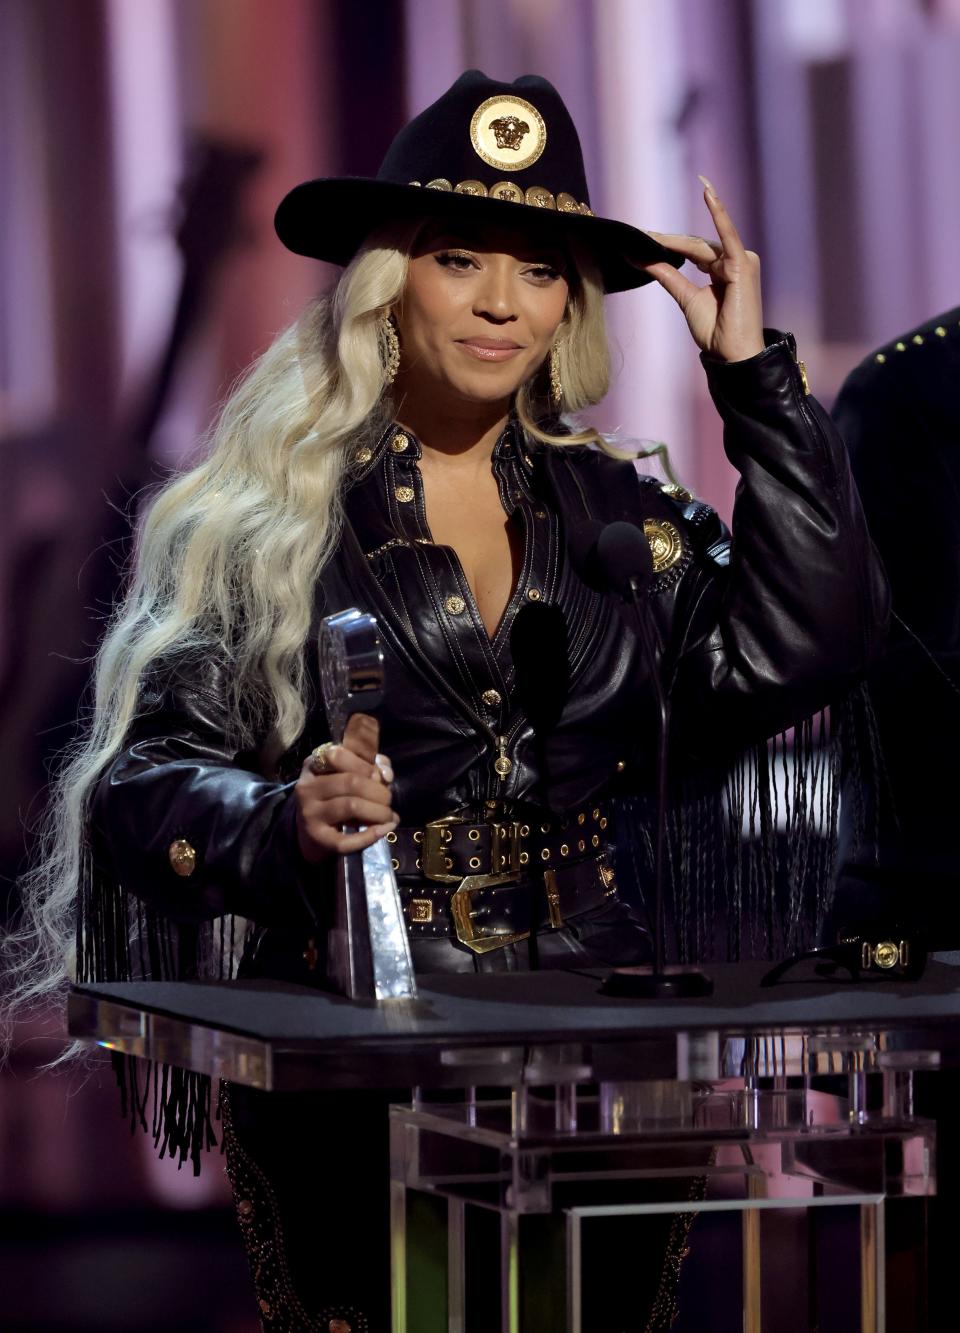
{"points": [[143, 147]]}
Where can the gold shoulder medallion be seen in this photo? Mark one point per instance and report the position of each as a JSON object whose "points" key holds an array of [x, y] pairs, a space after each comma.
{"points": [[666, 544]]}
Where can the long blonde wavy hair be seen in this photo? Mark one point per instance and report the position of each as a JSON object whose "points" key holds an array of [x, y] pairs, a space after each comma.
{"points": [[227, 553]]}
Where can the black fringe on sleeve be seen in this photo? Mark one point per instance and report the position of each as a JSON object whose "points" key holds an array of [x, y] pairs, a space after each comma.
{"points": [[119, 938], [751, 850]]}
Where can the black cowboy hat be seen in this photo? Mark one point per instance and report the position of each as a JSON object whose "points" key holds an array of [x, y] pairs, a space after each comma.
{"points": [[483, 152]]}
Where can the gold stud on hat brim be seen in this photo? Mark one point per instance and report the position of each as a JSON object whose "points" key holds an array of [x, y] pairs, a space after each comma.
{"points": [[534, 196], [537, 196], [329, 219], [508, 192]]}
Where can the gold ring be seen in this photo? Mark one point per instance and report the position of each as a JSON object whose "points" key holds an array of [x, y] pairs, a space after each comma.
{"points": [[320, 758]]}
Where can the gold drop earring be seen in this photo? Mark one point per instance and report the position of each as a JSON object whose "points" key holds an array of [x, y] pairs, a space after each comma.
{"points": [[556, 384], [390, 348]]}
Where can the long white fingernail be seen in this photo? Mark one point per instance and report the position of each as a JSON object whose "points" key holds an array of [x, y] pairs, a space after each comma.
{"points": [[707, 186]]}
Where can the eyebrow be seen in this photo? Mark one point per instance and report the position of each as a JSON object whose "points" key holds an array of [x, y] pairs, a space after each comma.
{"points": [[476, 240]]}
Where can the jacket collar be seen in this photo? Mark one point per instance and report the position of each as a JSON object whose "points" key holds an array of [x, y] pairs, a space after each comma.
{"points": [[402, 441]]}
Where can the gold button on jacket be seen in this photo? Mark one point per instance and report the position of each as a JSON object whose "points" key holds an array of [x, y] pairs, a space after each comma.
{"points": [[182, 857]]}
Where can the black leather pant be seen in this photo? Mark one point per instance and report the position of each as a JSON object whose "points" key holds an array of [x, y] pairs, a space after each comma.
{"points": [[608, 936]]}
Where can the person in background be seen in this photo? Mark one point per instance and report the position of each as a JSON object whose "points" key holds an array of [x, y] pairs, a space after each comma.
{"points": [[899, 860], [899, 863]]}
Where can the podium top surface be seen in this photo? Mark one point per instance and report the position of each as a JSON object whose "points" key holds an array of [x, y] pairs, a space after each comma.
{"points": [[498, 1029]]}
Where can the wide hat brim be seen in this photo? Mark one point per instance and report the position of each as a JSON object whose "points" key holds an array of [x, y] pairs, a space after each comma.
{"points": [[330, 218]]}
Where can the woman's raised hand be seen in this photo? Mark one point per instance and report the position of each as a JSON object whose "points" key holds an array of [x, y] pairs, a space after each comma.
{"points": [[725, 317], [353, 788]]}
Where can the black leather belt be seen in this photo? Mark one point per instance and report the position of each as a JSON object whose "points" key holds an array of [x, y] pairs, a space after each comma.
{"points": [[491, 882], [486, 912], [448, 849]]}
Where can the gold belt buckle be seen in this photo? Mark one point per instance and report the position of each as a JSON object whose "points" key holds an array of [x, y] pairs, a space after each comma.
{"points": [[462, 908], [434, 861]]}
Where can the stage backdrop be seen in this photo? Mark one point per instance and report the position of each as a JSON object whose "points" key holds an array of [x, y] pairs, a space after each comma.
{"points": [[143, 147]]}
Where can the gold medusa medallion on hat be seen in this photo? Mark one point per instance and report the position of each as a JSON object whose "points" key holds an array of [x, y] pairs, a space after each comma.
{"points": [[508, 133], [484, 153]]}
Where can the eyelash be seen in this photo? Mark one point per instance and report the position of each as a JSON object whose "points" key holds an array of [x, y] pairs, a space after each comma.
{"points": [[449, 258]]}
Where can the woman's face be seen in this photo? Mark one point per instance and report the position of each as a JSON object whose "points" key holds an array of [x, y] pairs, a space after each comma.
{"points": [[479, 312]]}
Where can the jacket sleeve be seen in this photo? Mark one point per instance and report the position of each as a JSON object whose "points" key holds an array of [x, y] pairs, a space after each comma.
{"points": [[790, 614], [180, 780]]}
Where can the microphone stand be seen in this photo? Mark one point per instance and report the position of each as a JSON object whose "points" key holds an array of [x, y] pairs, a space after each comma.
{"points": [[659, 982]]}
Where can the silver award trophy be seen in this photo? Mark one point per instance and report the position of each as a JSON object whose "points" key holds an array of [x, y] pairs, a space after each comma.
{"points": [[368, 951]]}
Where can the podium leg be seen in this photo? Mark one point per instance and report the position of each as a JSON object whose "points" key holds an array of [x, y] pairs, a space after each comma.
{"points": [[752, 1321], [509, 1273], [872, 1302], [456, 1294], [398, 1256], [574, 1283]]}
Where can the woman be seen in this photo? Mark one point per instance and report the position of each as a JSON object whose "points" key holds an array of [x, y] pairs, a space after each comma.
{"points": [[405, 449]]}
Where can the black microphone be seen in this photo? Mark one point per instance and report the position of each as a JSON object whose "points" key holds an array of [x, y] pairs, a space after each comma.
{"points": [[617, 558], [582, 549], [623, 559]]}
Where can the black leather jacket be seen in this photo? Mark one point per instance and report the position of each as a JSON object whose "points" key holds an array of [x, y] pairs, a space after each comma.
{"points": [[755, 632], [903, 870]]}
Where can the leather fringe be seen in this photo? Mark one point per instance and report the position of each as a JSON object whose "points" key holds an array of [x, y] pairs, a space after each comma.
{"points": [[120, 938], [751, 851], [180, 1119]]}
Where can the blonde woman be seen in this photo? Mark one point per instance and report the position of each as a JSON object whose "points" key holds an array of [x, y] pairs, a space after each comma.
{"points": [[408, 448]]}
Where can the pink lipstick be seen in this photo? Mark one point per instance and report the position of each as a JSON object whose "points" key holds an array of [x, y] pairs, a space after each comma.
{"points": [[490, 349]]}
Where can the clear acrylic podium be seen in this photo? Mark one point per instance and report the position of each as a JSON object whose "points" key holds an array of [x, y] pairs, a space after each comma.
{"points": [[563, 1150], [769, 1153]]}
